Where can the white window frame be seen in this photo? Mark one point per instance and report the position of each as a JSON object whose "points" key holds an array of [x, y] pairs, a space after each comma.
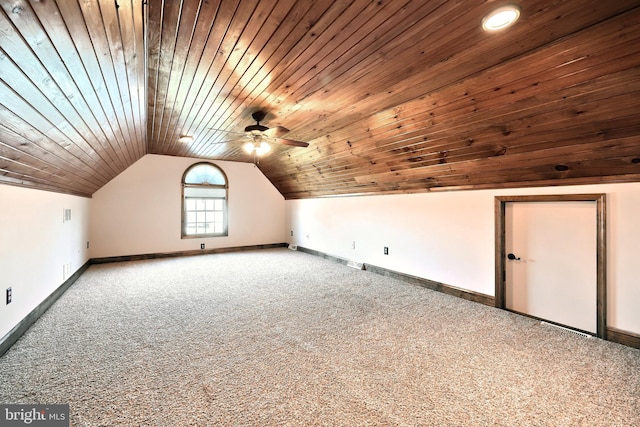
{"points": [[205, 191]]}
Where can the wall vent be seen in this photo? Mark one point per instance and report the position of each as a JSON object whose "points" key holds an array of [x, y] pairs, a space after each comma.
{"points": [[569, 330]]}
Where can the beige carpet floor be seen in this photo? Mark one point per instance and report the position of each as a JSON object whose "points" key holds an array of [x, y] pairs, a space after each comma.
{"points": [[282, 338]]}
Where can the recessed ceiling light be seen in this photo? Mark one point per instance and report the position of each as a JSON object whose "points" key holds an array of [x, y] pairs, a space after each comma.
{"points": [[186, 139], [501, 18]]}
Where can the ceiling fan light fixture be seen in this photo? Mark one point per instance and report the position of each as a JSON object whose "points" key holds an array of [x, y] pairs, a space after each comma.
{"points": [[259, 149], [501, 18], [187, 139]]}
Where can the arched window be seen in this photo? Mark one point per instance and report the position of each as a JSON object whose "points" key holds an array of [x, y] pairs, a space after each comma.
{"points": [[204, 201]]}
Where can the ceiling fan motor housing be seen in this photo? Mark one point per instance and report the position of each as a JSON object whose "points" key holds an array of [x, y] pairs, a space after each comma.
{"points": [[258, 116]]}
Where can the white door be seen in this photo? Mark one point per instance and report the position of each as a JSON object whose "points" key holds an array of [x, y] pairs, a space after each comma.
{"points": [[551, 272]]}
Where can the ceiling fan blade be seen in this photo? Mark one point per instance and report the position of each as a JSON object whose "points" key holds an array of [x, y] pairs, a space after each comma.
{"points": [[225, 131], [290, 142], [276, 132]]}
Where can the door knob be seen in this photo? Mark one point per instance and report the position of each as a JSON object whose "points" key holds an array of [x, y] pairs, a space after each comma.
{"points": [[513, 257]]}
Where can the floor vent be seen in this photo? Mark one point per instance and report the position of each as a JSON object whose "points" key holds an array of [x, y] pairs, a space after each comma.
{"points": [[562, 328], [355, 264]]}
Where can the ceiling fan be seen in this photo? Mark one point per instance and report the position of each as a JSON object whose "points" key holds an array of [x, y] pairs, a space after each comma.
{"points": [[260, 136]]}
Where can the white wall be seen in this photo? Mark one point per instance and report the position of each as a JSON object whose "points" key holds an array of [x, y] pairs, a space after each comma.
{"points": [[34, 246], [139, 211], [449, 237]]}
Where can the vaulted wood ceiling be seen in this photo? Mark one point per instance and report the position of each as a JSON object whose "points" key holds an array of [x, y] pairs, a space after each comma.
{"points": [[392, 96]]}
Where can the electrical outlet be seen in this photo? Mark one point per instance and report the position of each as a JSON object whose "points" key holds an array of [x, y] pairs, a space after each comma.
{"points": [[9, 295], [291, 233], [87, 244], [353, 245], [201, 245], [386, 250]]}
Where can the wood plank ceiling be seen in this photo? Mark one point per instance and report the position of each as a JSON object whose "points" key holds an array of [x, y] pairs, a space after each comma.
{"points": [[393, 96]]}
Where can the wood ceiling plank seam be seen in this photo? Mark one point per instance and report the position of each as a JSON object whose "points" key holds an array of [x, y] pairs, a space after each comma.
{"points": [[250, 65], [223, 100], [279, 56], [293, 55], [549, 142], [324, 31], [68, 82], [168, 29], [454, 162], [451, 158], [96, 29], [202, 84], [31, 120], [70, 56], [281, 84], [12, 99], [232, 19], [100, 23], [141, 24], [278, 42], [39, 166], [377, 70], [32, 138], [622, 86], [452, 153], [201, 140], [499, 185], [36, 184], [39, 86], [155, 16], [86, 65], [117, 62], [368, 22], [241, 58], [264, 34], [470, 95], [197, 93], [276, 45], [354, 101], [369, 47], [182, 39], [339, 171], [545, 157], [125, 15], [239, 66], [593, 64], [355, 29], [194, 53], [27, 171], [15, 79]]}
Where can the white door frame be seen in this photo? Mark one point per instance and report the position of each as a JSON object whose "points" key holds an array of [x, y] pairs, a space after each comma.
{"points": [[601, 281]]}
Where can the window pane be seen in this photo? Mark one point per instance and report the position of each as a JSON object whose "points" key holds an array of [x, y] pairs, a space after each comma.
{"points": [[205, 173], [204, 200]]}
